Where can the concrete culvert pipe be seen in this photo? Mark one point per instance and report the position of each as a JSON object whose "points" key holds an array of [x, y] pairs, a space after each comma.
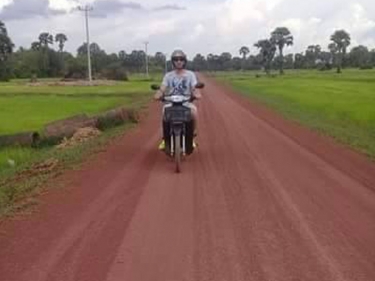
{"points": [[114, 117], [67, 127], [20, 139]]}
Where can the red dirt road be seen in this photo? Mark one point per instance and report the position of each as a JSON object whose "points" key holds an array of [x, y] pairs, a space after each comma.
{"points": [[262, 199]]}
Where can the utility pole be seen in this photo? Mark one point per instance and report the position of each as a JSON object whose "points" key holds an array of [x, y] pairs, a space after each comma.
{"points": [[87, 9], [146, 50]]}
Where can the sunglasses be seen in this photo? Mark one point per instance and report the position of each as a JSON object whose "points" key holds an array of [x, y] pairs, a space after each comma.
{"points": [[178, 59]]}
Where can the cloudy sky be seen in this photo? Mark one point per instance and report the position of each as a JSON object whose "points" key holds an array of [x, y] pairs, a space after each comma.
{"points": [[198, 26]]}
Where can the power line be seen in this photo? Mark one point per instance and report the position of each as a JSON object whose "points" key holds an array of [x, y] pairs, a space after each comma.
{"points": [[87, 9]]}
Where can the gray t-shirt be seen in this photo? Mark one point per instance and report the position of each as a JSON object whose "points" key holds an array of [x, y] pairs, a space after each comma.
{"points": [[182, 84]]}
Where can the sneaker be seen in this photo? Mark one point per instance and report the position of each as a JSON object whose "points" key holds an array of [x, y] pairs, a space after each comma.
{"points": [[195, 144], [162, 145]]}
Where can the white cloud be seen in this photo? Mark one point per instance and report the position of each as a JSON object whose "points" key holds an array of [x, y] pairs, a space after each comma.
{"points": [[63, 4], [202, 25], [235, 16], [4, 3]]}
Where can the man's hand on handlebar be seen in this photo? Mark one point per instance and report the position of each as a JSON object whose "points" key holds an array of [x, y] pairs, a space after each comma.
{"points": [[197, 94], [158, 95], [160, 92]]}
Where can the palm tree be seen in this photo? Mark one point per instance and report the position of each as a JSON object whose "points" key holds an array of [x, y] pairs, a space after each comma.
{"points": [[341, 41], [267, 53], [3, 29], [244, 51], [45, 39], [61, 38], [35, 46], [6, 49], [6, 44], [282, 37]]}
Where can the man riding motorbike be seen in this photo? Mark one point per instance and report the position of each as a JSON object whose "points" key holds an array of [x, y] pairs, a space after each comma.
{"points": [[180, 82]]}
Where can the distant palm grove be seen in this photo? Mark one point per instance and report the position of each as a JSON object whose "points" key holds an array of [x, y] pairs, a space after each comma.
{"points": [[41, 60]]}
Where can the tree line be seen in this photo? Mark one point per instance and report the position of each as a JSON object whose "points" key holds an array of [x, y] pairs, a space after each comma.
{"points": [[42, 60], [271, 56]]}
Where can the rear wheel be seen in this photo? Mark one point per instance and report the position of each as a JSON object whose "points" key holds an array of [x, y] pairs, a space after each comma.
{"points": [[167, 137], [177, 153], [189, 137]]}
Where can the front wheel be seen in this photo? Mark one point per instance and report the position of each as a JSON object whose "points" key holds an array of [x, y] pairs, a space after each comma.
{"points": [[177, 153]]}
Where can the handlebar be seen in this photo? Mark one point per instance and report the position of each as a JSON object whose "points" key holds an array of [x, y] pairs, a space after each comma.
{"points": [[198, 86], [168, 98], [183, 99]]}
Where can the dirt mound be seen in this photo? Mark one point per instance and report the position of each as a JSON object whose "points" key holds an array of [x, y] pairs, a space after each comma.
{"points": [[41, 168], [80, 136], [55, 131], [44, 167], [66, 128]]}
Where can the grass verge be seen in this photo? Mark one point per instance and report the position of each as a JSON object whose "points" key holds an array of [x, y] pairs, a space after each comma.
{"points": [[340, 106], [18, 192]]}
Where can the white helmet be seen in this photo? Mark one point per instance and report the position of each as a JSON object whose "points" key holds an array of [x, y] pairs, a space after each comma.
{"points": [[178, 55]]}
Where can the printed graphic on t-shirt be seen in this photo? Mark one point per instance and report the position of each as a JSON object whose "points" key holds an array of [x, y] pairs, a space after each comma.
{"points": [[179, 86]]}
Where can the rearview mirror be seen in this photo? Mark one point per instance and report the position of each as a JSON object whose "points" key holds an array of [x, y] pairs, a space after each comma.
{"points": [[199, 85], [155, 87]]}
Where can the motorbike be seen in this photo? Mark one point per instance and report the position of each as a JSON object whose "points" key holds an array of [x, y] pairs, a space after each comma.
{"points": [[178, 127]]}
